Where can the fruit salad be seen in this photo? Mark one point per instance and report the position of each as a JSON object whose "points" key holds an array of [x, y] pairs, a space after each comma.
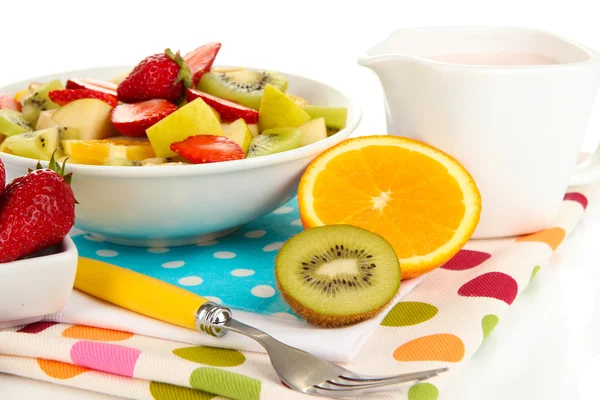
{"points": [[168, 110]]}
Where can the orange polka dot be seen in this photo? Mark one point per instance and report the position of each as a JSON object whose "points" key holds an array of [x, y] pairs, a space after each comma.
{"points": [[440, 347], [92, 333], [553, 237], [60, 370]]}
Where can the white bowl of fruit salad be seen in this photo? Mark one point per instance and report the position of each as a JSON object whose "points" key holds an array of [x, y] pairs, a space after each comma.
{"points": [[173, 151]]}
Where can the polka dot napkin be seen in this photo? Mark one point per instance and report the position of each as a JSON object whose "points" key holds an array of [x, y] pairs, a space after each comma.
{"points": [[440, 323], [236, 270]]}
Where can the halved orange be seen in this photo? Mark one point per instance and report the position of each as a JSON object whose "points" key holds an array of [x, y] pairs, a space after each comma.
{"points": [[423, 201]]}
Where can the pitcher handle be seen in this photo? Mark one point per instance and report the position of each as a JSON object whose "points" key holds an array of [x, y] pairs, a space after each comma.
{"points": [[588, 171]]}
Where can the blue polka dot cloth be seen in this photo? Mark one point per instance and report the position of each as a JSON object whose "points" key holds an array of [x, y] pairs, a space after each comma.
{"points": [[236, 270]]}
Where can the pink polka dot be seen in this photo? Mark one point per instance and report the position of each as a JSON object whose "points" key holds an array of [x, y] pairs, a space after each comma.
{"points": [[105, 357], [466, 259], [577, 197], [496, 285]]}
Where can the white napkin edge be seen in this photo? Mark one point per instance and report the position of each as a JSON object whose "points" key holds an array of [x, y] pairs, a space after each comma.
{"points": [[334, 344]]}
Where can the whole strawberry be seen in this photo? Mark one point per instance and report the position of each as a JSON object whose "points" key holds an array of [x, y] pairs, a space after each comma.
{"points": [[37, 212], [2, 180], [161, 76]]}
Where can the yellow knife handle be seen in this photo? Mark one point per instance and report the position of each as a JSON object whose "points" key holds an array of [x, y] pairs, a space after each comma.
{"points": [[138, 292]]}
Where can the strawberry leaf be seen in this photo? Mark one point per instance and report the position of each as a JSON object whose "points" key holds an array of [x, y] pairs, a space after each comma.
{"points": [[185, 74]]}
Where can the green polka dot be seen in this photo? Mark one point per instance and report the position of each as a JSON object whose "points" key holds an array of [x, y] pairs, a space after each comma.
{"points": [[225, 383], [488, 323], [211, 356], [164, 391], [423, 391], [534, 272], [409, 313]]}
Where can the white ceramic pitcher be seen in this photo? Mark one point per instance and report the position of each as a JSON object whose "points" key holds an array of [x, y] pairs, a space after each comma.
{"points": [[517, 128]]}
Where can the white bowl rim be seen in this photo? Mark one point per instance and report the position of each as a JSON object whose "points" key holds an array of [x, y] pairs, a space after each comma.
{"points": [[67, 247], [201, 169]]}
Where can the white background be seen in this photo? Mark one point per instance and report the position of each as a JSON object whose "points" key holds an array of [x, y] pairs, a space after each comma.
{"points": [[548, 345]]}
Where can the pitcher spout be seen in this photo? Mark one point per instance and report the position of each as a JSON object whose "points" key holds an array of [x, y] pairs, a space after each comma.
{"points": [[398, 46]]}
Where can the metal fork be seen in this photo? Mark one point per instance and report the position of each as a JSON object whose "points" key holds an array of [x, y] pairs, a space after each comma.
{"points": [[298, 369]]}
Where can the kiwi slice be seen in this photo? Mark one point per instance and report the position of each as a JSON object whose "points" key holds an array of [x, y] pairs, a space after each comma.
{"points": [[38, 145], [243, 86], [120, 162], [13, 123], [274, 141], [37, 100], [337, 275]]}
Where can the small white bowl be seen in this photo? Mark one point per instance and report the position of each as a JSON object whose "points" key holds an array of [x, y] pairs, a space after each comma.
{"points": [[37, 285], [185, 204]]}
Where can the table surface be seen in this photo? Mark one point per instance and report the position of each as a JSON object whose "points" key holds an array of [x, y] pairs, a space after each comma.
{"points": [[544, 348]]}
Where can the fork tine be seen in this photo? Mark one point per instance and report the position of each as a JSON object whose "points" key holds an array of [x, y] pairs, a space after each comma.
{"points": [[363, 379], [354, 384], [354, 388]]}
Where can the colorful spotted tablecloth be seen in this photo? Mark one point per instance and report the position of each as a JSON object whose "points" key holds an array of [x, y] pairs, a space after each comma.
{"points": [[442, 322]]}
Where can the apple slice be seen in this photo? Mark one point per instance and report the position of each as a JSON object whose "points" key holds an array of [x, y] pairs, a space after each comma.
{"points": [[228, 110], [195, 118], [279, 111], [239, 132], [45, 120], [253, 129], [313, 131], [91, 117], [335, 117]]}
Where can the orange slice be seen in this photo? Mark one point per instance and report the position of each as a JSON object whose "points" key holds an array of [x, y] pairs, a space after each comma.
{"points": [[20, 94], [417, 197], [97, 152]]}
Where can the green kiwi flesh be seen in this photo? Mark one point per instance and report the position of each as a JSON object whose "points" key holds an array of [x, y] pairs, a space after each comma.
{"points": [[38, 145], [13, 123], [275, 140], [37, 100], [337, 275], [245, 87]]}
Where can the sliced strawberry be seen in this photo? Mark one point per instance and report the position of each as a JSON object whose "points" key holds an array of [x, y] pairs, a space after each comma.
{"points": [[8, 102], [201, 59], [203, 149], [62, 97], [92, 84], [134, 119], [228, 110]]}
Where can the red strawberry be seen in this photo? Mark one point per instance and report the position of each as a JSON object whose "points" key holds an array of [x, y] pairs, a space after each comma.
{"points": [[37, 212], [161, 76], [2, 180], [134, 119], [203, 149], [62, 97], [228, 110], [92, 84], [8, 102], [201, 59]]}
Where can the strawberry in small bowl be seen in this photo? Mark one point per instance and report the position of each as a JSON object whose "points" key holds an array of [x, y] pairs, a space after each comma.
{"points": [[38, 260], [189, 152]]}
